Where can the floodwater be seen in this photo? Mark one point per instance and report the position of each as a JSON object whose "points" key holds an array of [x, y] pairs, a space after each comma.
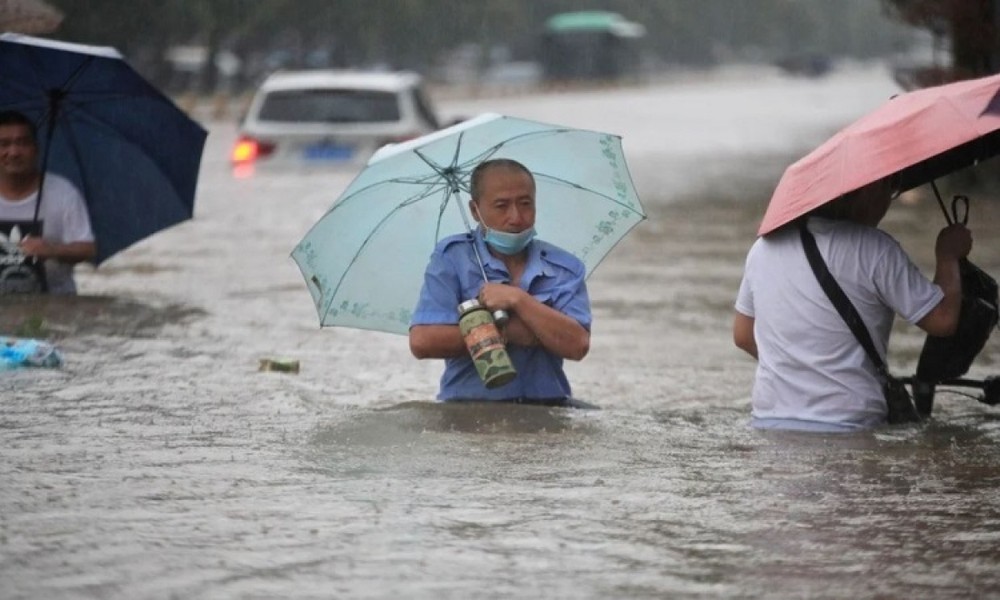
{"points": [[160, 463]]}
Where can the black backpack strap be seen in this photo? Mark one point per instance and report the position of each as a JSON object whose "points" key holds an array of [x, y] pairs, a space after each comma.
{"points": [[839, 299]]}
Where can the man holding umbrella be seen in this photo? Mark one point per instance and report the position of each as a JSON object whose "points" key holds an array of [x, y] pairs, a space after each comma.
{"points": [[55, 228], [812, 373], [822, 284], [541, 286]]}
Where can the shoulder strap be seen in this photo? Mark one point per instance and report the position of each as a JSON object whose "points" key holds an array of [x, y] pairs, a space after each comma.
{"points": [[839, 299]]}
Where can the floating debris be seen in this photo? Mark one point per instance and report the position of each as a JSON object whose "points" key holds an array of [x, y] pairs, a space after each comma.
{"points": [[280, 365]]}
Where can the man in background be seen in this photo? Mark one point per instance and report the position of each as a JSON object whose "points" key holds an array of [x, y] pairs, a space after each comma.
{"points": [[53, 230]]}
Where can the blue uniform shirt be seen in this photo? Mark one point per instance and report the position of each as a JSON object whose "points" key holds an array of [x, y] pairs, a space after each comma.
{"points": [[552, 275]]}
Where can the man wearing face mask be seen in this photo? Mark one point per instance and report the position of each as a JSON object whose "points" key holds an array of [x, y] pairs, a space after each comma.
{"points": [[539, 285]]}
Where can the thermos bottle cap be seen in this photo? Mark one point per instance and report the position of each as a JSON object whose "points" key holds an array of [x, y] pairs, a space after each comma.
{"points": [[467, 305]]}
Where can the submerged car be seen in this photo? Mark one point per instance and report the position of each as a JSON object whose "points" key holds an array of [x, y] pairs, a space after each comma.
{"points": [[329, 118]]}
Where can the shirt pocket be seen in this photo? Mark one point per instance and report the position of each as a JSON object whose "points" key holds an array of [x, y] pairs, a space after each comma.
{"points": [[546, 290]]}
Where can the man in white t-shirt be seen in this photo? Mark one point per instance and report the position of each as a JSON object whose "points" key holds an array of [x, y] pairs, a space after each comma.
{"points": [[812, 373], [66, 236]]}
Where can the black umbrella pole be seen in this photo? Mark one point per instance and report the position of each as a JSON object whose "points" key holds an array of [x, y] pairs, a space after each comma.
{"points": [[499, 316], [940, 202]]}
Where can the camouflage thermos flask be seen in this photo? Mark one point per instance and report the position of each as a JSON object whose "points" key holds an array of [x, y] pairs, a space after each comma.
{"points": [[485, 344]]}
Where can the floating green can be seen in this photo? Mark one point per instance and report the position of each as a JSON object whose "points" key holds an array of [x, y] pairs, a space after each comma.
{"points": [[485, 344]]}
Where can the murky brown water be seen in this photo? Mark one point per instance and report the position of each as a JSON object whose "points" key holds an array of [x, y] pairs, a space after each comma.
{"points": [[159, 463]]}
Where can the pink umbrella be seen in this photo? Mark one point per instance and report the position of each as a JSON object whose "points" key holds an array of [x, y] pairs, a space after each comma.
{"points": [[919, 136]]}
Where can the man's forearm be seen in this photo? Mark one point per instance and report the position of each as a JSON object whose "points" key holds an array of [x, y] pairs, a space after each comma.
{"points": [[942, 320], [75, 252], [557, 332], [437, 341], [948, 276], [70, 253]]}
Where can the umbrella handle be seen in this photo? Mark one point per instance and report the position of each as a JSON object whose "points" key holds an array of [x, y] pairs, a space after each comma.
{"points": [[960, 203], [957, 203]]}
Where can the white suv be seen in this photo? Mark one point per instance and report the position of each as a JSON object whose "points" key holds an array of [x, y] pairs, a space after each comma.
{"points": [[327, 118]]}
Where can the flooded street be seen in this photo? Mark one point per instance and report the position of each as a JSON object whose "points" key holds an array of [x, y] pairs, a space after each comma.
{"points": [[160, 463]]}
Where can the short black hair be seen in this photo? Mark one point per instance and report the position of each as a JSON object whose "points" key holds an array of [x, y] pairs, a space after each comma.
{"points": [[838, 209], [842, 207], [13, 117], [476, 181]]}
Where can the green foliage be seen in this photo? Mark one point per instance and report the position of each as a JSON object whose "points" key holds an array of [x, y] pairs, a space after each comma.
{"points": [[971, 27], [31, 327], [416, 33]]}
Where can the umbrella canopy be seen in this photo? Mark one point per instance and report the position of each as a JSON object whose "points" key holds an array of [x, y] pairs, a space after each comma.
{"points": [[364, 260], [28, 16], [132, 153], [918, 136]]}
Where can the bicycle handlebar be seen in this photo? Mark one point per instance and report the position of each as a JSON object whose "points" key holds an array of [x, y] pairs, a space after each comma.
{"points": [[989, 385]]}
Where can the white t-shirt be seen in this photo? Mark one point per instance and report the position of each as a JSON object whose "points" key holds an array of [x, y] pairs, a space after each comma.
{"points": [[65, 220], [810, 366]]}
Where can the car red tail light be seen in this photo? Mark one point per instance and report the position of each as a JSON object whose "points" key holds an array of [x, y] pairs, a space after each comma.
{"points": [[248, 149]]}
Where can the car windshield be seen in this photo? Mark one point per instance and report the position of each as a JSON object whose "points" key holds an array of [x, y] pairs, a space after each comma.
{"points": [[330, 106]]}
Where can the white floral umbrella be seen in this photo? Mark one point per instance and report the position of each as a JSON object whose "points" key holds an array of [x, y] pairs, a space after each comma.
{"points": [[364, 260]]}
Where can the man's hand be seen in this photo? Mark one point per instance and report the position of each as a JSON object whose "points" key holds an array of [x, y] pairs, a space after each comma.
{"points": [[71, 253], [953, 242], [37, 247], [500, 296], [549, 328]]}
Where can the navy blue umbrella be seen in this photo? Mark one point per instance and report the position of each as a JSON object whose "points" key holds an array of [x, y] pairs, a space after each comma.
{"points": [[132, 153]]}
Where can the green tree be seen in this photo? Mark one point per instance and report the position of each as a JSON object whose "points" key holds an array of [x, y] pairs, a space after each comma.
{"points": [[414, 34], [971, 27]]}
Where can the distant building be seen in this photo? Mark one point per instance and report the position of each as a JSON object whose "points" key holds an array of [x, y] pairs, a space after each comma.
{"points": [[590, 45]]}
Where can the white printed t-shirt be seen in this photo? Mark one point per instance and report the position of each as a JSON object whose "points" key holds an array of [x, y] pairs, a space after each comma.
{"points": [[65, 220], [811, 368]]}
